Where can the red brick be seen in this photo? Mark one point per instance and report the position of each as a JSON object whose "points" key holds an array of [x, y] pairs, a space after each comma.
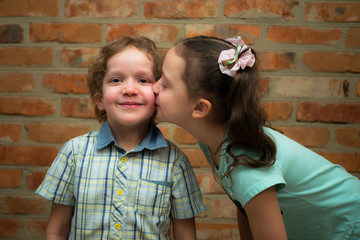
{"points": [[332, 12], [37, 227], [100, 8], [181, 136], [224, 208], [208, 184], [29, 8], [303, 35], [77, 107], [10, 132], [264, 86], [11, 33], [358, 88], [307, 136], [10, 178], [311, 87], [181, 9], [259, 8], [196, 157], [11, 227], [26, 56], [278, 110], [27, 106], [27, 155], [54, 133], [16, 82], [22, 205], [274, 61], [217, 231], [249, 33], [352, 37], [65, 32], [332, 61], [158, 33], [66, 83], [77, 57], [34, 179], [331, 112], [349, 137], [350, 161]]}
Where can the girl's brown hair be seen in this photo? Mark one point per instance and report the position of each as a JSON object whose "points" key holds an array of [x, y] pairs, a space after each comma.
{"points": [[98, 65], [235, 100]]}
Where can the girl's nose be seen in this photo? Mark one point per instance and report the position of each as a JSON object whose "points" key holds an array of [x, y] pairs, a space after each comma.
{"points": [[156, 87]]}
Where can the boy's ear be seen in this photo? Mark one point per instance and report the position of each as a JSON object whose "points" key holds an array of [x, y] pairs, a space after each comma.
{"points": [[202, 108], [99, 103]]}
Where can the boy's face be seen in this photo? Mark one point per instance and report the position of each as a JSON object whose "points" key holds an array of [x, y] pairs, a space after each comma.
{"points": [[172, 101], [127, 95]]}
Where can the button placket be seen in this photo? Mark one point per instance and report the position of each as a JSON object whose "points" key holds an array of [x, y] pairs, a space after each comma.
{"points": [[118, 201]]}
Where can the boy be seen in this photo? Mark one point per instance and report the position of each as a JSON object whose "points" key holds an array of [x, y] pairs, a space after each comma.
{"points": [[125, 180]]}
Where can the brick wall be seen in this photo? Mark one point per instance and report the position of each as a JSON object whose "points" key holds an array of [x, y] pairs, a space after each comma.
{"points": [[310, 62]]}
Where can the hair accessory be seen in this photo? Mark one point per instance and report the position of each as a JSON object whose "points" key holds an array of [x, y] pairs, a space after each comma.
{"points": [[231, 60]]}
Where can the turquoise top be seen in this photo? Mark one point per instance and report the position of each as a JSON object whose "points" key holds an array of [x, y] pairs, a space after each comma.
{"points": [[318, 199]]}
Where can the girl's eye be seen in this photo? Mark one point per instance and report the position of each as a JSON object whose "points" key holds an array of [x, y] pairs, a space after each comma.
{"points": [[163, 85]]}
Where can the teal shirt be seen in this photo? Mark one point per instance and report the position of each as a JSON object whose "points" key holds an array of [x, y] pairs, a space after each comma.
{"points": [[318, 199]]}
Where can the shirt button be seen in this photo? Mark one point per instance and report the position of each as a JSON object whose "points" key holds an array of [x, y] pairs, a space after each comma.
{"points": [[117, 226], [123, 159], [119, 192]]}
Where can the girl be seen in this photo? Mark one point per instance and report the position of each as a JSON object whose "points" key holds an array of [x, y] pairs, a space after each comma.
{"points": [[282, 189]]}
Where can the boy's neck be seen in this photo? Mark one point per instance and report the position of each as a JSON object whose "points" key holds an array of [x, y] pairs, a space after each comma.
{"points": [[129, 137]]}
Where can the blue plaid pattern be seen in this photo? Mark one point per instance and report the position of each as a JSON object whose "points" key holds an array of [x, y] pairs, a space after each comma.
{"points": [[122, 195]]}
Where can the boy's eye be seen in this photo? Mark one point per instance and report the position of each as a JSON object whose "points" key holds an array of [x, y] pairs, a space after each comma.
{"points": [[144, 80], [116, 80]]}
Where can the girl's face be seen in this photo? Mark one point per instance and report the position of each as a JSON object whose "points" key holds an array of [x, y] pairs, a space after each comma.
{"points": [[172, 101], [127, 95]]}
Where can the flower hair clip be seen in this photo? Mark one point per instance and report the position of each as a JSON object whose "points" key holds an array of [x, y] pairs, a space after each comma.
{"points": [[231, 60]]}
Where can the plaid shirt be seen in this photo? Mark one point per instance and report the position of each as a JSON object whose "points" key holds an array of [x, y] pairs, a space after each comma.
{"points": [[122, 195]]}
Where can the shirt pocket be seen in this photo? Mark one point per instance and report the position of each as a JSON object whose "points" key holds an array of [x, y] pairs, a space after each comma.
{"points": [[152, 198]]}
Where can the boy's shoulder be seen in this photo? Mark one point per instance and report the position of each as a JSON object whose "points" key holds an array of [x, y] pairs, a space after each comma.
{"points": [[173, 153], [172, 146]]}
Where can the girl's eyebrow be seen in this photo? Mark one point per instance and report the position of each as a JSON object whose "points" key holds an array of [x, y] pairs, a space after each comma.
{"points": [[164, 75]]}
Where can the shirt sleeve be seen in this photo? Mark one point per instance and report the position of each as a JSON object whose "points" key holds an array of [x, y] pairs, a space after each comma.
{"points": [[248, 182], [186, 199], [57, 185]]}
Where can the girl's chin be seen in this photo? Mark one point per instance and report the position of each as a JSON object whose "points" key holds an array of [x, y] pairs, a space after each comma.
{"points": [[159, 117]]}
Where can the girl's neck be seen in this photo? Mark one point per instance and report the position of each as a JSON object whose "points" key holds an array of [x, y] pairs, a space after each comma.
{"points": [[210, 134]]}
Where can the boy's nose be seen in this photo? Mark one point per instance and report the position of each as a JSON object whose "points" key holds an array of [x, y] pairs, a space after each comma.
{"points": [[130, 88]]}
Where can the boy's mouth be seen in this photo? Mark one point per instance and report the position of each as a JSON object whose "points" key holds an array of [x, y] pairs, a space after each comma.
{"points": [[130, 104]]}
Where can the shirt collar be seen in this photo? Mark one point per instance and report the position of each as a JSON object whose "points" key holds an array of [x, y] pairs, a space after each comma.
{"points": [[152, 140]]}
